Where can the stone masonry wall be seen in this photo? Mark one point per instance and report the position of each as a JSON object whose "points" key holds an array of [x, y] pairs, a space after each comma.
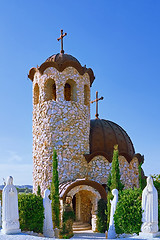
{"points": [[62, 124], [99, 168]]}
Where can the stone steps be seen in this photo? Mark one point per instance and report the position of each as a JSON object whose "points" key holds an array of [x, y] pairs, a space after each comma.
{"points": [[80, 226]]}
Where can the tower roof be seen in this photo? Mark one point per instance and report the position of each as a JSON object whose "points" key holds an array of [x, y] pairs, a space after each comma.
{"points": [[61, 61], [104, 134]]}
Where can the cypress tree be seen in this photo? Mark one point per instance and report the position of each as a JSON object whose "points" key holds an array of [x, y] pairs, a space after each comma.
{"points": [[39, 191], [55, 192], [113, 180], [115, 173]]}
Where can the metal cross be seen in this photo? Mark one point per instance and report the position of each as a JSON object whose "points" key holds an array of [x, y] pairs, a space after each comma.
{"points": [[61, 38], [96, 100]]}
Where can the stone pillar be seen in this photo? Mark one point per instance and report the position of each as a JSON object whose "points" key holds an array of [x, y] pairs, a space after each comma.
{"points": [[61, 212], [78, 207], [94, 222], [94, 213]]}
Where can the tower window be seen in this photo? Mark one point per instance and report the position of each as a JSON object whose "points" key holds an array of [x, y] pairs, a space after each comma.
{"points": [[86, 95], [36, 94], [70, 91], [50, 90], [67, 92]]}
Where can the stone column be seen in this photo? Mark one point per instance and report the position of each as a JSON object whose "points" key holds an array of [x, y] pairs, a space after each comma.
{"points": [[94, 214], [61, 212], [78, 207], [94, 222]]}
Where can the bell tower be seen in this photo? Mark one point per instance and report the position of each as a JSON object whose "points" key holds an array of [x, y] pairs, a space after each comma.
{"points": [[61, 117]]}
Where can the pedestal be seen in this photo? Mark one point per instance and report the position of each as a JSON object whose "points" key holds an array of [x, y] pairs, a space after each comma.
{"points": [[149, 235], [111, 233], [10, 231]]}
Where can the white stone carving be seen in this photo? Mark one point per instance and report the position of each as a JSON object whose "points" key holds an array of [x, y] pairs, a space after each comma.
{"points": [[10, 215], [111, 230], [47, 224], [149, 226]]}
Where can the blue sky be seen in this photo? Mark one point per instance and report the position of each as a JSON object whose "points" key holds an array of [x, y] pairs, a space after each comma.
{"points": [[118, 39]]}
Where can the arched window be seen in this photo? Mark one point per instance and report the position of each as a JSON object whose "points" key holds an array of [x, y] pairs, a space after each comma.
{"points": [[70, 93], [67, 92], [36, 94], [86, 95], [50, 90]]}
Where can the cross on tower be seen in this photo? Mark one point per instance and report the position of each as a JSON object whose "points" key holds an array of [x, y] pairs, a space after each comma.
{"points": [[96, 100], [61, 38]]}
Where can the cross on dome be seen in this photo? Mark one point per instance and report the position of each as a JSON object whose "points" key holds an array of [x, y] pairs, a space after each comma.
{"points": [[61, 38], [96, 100]]}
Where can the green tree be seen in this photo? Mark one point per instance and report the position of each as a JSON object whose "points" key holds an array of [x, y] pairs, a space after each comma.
{"points": [[55, 192], [142, 180], [114, 181], [39, 191], [115, 173]]}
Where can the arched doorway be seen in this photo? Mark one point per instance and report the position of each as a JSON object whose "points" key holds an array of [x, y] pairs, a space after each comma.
{"points": [[83, 206], [85, 195]]}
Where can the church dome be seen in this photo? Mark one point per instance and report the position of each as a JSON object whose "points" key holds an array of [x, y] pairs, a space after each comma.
{"points": [[104, 134], [61, 58], [60, 61]]}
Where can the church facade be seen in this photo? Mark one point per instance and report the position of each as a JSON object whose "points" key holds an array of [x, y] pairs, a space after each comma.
{"points": [[61, 120]]}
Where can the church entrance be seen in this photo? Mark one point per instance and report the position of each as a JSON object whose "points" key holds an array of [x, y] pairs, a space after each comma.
{"points": [[84, 195], [82, 205]]}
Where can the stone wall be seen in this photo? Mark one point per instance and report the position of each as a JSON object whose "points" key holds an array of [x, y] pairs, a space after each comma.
{"points": [[99, 168], [62, 124]]}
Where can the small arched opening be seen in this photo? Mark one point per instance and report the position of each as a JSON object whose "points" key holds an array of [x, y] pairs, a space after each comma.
{"points": [[36, 94], [86, 95], [70, 93], [50, 90]]}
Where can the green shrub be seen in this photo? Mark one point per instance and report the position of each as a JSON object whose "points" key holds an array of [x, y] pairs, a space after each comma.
{"points": [[68, 218], [31, 212], [128, 214], [102, 216]]}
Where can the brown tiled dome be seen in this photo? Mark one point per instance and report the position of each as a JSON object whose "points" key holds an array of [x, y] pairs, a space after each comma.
{"points": [[60, 61], [60, 58], [104, 134]]}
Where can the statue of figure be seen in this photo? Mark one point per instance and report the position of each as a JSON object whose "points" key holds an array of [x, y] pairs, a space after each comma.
{"points": [[48, 224], [150, 208], [111, 230], [10, 215]]}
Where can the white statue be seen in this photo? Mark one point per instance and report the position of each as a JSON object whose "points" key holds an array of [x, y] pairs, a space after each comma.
{"points": [[111, 230], [10, 215], [47, 224], [150, 208]]}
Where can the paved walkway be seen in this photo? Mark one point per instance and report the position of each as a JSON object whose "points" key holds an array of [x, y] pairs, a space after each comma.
{"points": [[81, 236], [88, 234]]}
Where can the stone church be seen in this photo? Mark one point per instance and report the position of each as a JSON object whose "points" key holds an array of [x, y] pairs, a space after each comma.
{"points": [[61, 120]]}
